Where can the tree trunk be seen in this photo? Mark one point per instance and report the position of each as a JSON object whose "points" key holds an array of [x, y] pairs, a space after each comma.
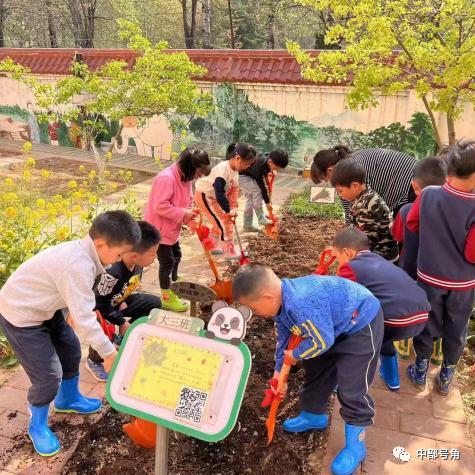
{"points": [[89, 20], [451, 130], [433, 122], [207, 24], [233, 44], [189, 28], [53, 36], [74, 9], [271, 31], [116, 137], [3, 14]]}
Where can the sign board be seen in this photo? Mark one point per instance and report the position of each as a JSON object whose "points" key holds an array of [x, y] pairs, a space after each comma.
{"points": [[181, 381], [173, 321], [322, 194], [193, 292]]}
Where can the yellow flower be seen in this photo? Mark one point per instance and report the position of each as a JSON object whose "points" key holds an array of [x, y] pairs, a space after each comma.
{"points": [[92, 199], [27, 174], [76, 195], [114, 186], [41, 203], [30, 162], [121, 172], [107, 174], [82, 168], [72, 184], [27, 146], [9, 182], [108, 156], [9, 197], [45, 174], [76, 209], [128, 174], [11, 212], [62, 233], [29, 244], [92, 174]]}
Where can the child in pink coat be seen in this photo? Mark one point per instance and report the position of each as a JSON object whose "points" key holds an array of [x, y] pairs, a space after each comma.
{"points": [[168, 208]]}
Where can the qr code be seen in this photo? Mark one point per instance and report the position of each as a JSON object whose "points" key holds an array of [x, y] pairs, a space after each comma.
{"points": [[191, 405]]}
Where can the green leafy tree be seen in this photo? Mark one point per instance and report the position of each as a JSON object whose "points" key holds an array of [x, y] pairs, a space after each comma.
{"points": [[157, 83], [391, 46]]}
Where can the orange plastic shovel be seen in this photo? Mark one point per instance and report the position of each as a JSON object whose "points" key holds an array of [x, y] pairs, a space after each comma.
{"points": [[223, 288], [281, 382], [271, 230], [142, 432], [326, 260]]}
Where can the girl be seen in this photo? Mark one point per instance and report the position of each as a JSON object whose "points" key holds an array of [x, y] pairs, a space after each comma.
{"points": [[168, 208], [217, 196]]}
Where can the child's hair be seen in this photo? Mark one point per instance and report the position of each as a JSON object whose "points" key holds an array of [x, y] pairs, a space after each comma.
{"points": [[430, 171], [280, 157], [191, 160], [116, 228], [150, 237], [461, 144], [324, 159], [249, 280], [461, 162], [347, 172], [351, 238], [246, 151]]}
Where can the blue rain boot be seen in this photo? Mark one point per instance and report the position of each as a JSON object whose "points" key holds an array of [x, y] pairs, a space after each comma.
{"points": [[417, 372], [69, 399], [44, 441], [354, 452], [444, 378], [306, 421], [389, 372]]}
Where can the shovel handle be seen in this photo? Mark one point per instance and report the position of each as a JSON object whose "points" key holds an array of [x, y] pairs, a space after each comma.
{"points": [[212, 264]]}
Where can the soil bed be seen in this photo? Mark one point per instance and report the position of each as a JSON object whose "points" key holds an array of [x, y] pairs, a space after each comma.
{"points": [[107, 450]]}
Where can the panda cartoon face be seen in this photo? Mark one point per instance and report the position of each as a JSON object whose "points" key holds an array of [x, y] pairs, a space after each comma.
{"points": [[228, 323]]}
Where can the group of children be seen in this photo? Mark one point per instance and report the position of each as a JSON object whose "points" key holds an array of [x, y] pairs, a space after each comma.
{"points": [[73, 286], [345, 321], [344, 325]]}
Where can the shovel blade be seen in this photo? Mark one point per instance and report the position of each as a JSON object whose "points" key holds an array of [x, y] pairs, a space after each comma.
{"points": [[224, 290], [143, 433]]}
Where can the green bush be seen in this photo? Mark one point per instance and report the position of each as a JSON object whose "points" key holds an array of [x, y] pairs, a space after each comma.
{"points": [[299, 205]]}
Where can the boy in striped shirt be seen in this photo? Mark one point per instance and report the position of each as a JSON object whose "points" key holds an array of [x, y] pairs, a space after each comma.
{"points": [[404, 303], [444, 217]]}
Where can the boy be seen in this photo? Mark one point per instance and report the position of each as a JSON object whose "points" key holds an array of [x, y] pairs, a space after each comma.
{"points": [[252, 183], [116, 298], [444, 217], [46, 346], [427, 172], [404, 303], [341, 324], [368, 210]]}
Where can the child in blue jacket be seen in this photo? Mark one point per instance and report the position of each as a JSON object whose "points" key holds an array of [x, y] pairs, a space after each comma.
{"points": [[341, 325]]}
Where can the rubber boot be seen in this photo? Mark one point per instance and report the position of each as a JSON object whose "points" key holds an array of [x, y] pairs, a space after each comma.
{"points": [[44, 440], [171, 302], [444, 378], [389, 371], [306, 421], [262, 218], [229, 251], [247, 225], [216, 250], [417, 372], [354, 452], [69, 399]]}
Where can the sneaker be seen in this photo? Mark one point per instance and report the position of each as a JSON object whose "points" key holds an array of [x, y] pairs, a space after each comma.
{"points": [[229, 251], [97, 370]]}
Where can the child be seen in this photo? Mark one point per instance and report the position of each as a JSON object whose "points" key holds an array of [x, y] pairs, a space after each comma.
{"points": [[168, 208], [427, 172], [368, 210], [217, 196], [404, 303], [46, 346], [444, 217], [252, 183], [341, 324], [116, 298]]}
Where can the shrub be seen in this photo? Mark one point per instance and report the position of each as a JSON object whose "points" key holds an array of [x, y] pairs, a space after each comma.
{"points": [[298, 204]]}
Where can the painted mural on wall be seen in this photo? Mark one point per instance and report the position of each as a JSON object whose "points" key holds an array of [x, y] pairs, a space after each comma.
{"points": [[235, 118]]}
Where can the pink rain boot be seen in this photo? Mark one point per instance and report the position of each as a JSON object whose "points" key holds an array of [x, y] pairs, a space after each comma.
{"points": [[229, 251]]}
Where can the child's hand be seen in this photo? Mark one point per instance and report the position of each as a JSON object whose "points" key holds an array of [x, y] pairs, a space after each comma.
{"points": [[288, 354], [189, 215], [109, 361], [123, 328], [269, 207]]}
